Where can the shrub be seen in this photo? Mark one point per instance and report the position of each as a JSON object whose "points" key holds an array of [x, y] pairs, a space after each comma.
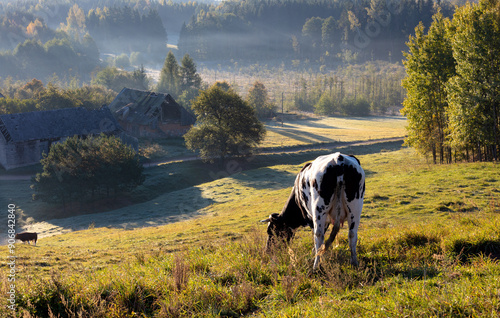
{"points": [[81, 168]]}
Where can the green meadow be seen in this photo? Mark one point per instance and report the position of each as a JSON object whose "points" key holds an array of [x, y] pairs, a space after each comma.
{"points": [[429, 245]]}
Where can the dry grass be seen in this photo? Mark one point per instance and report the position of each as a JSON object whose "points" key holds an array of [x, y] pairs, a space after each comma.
{"points": [[332, 129], [415, 259]]}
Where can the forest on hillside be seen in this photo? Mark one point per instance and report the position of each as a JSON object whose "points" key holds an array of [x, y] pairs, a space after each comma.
{"points": [[67, 39], [316, 30]]}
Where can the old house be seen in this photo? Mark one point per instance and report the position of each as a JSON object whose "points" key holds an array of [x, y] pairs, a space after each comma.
{"points": [[148, 114], [25, 136]]}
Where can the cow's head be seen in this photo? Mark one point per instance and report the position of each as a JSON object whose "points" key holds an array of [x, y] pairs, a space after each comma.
{"points": [[277, 230]]}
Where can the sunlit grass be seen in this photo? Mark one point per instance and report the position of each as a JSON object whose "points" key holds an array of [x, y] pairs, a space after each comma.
{"points": [[298, 132], [428, 246], [332, 129]]}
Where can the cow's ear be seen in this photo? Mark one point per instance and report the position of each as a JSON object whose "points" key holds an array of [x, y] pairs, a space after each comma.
{"points": [[272, 217]]}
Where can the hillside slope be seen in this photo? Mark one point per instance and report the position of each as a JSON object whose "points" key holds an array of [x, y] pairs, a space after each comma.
{"points": [[429, 244]]}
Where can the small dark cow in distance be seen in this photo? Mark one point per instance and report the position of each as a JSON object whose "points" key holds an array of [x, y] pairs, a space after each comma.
{"points": [[328, 190], [27, 237]]}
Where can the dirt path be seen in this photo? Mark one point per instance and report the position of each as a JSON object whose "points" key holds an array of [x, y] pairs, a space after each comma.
{"points": [[284, 150], [259, 151]]}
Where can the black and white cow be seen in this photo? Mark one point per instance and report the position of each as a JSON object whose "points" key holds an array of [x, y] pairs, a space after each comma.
{"points": [[328, 190]]}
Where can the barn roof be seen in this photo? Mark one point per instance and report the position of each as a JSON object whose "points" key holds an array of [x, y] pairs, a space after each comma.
{"points": [[143, 107], [54, 124]]}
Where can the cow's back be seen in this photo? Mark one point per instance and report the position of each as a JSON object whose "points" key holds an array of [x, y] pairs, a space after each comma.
{"points": [[327, 176]]}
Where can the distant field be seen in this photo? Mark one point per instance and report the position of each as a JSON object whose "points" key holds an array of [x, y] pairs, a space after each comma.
{"points": [[297, 132], [332, 129], [429, 246]]}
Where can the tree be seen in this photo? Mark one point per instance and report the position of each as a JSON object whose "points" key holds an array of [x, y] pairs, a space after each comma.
{"points": [[312, 29], [75, 22], [189, 78], [259, 100], [80, 169], [474, 93], [328, 31], [54, 98], [429, 65], [226, 125], [169, 76], [190, 81], [113, 78], [325, 105]]}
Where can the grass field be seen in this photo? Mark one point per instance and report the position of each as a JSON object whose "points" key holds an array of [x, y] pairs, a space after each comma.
{"points": [[429, 245], [297, 131], [332, 129]]}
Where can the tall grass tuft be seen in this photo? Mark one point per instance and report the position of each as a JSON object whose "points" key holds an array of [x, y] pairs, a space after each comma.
{"points": [[180, 273]]}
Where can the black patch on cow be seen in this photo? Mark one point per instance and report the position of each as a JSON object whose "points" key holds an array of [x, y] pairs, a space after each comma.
{"points": [[352, 178], [294, 215], [319, 217], [306, 166], [352, 225], [352, 156], [304, 198], [329, 182], [315, 184], [340, 158]]}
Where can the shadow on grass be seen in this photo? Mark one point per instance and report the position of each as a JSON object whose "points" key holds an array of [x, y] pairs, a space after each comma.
{"points": [[300, 135], [167, 208], [159, 197]]}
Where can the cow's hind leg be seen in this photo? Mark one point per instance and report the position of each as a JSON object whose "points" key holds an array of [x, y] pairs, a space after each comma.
{"points": [[333, 234], [354, 218], [337, 211], [319, 237], [353, 240]]}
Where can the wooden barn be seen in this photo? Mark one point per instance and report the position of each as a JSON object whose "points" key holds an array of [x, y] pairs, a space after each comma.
{"points": [[25, 136], [149, 114]]}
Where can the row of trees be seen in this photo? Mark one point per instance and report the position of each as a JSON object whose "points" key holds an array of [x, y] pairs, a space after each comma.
{"points": [[32, 49], [61, 56], [116, 79], [311, 29], [354, 90], [34, 96], [118, 26], [123, 29], [453, 85]]}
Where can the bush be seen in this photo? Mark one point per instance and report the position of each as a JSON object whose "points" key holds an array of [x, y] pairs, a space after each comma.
{"points": [[122, 61], [355, 107], [79, 169]]}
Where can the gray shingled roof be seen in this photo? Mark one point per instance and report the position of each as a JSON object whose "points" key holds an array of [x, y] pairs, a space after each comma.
{"points": [[142, 107], [54, 124]]}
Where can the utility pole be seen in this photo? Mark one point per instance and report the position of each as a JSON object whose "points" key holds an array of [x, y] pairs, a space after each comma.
{"points": [[282, 112]]}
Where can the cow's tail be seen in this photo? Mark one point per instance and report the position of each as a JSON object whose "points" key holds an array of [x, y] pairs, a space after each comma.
{"points": [[337, 206]]}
